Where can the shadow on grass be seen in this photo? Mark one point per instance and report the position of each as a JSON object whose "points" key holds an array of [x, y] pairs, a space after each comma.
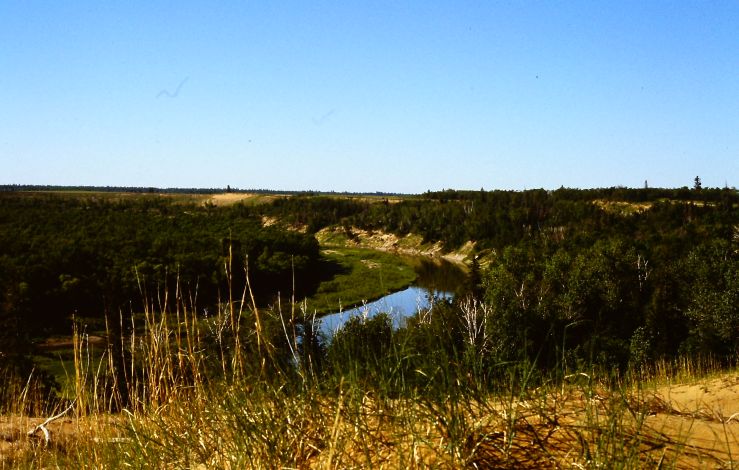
{"points": [[324, 270]]}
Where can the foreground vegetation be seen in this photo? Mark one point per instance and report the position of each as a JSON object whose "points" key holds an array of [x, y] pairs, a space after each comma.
{"points": [[251, 388]]}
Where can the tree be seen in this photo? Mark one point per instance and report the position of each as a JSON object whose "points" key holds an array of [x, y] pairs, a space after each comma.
{"points": [[697, 185], [714, 293]]}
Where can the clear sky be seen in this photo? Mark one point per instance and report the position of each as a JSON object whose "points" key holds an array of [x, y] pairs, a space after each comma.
{"points": [[399, 96]]}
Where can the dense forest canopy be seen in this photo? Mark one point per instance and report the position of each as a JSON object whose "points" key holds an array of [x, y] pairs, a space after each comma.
{"points": [[86, 256], [612, 275]]}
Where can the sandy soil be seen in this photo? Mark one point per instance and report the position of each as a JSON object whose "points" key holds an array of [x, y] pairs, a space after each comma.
{"points": [[685, 425], [705, 417], [17, 445], [227, 199], [409, 245]]}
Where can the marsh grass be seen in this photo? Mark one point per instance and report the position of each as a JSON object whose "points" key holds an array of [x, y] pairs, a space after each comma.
{"points": [[245, 389]]}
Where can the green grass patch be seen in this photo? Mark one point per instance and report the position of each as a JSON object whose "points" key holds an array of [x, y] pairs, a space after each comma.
{"points": [[60, 365], [355, 275]]}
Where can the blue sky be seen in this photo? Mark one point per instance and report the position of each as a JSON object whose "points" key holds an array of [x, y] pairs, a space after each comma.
{"points": [[370, 96]]}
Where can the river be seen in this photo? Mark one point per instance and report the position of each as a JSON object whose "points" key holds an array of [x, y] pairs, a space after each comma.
{"points": [[436, 279]]}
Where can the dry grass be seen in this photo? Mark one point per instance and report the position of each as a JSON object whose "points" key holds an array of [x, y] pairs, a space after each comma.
{"points": [[623, 207], [250, 199], [575, 425]]}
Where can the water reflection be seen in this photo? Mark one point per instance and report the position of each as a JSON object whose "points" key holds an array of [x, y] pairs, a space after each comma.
{"points": [[438, 274], [436, 279]]}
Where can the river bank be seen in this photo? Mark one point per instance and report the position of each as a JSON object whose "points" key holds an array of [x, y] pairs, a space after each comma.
{"points": [[356, 275], [409, 245], [371, 265]]}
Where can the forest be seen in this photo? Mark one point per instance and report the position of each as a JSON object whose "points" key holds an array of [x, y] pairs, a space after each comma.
{"points": [[91, 257], [613, 276]]}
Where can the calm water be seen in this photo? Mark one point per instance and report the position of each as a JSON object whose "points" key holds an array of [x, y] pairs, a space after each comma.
{"points": [[398, 305], [436, 279]]}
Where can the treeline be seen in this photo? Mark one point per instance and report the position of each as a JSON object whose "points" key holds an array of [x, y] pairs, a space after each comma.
{"points": [[152, 189], [112, 189], [497, 219], [61, 256]]}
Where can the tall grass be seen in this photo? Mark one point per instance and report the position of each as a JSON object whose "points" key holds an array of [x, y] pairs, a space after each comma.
{"points": [[255, 388]]}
